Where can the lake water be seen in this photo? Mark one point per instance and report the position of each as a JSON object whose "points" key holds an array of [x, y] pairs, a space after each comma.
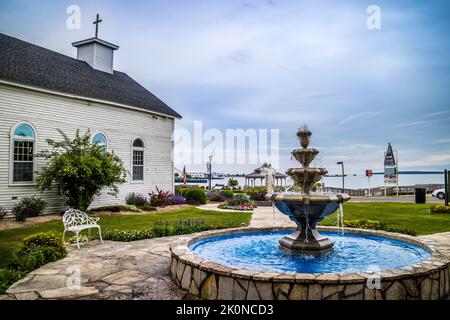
{"points": [[358, 181]]}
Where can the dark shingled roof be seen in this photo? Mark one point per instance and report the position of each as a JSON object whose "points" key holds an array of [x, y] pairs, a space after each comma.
{"points": [[28, 64]]}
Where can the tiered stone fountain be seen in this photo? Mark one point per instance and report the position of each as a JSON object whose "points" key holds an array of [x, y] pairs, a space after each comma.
{"points": [[304, 208]]}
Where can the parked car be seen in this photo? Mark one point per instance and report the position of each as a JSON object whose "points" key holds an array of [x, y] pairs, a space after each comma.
{"points": [[218, 187], [439, 193]]}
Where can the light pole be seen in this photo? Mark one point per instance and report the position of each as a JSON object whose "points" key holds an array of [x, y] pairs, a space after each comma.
{"points": [[343, 175], [209, 171]]}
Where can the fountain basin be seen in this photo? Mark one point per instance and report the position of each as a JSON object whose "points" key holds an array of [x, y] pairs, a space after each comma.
{"points": [[211, 278], [306, 211]]}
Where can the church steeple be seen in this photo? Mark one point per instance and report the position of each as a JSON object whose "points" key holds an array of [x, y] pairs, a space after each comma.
{"points": [[99, 54]]}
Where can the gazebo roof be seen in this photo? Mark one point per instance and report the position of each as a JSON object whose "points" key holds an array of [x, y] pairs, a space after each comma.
{"points": [[257, 173]]}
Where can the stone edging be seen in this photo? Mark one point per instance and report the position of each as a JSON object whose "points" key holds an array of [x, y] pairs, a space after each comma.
{"points": [[429, 279]]}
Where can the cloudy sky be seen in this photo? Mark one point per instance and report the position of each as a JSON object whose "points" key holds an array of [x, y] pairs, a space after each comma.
{"points": [[277, 65]]}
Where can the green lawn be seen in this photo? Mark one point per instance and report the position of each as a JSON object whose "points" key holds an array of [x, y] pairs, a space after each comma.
{"points": [[411, 216], [10, 239]]}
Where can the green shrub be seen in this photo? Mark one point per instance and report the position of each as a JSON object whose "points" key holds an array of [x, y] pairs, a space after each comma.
{"points": [[54, 246], [136, 199], [256, 193], [126, 236], [188, 226], [147, 207], [8, 277], [440, 208], [117, 208], [35, 251], [79, 169], [376, 225], [233, 183], [161, 229], [160, 197], [28, 261], [228, 194], [34, 205], [179, 190], [363, 224], [195, 196], [21, 213], [3, 213]]}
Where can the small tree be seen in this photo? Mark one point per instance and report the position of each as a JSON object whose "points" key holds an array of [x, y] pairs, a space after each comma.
{"points": [[233, 182], [80, 170]]}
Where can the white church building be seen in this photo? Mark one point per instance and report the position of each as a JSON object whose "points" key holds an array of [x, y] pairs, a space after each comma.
{"points": [[42, 91]]}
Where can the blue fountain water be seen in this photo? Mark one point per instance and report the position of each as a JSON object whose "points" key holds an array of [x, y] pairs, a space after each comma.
{"points": [[351, 253]]}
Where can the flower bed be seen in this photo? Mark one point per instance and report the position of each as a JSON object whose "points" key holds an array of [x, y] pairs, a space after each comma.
{"points": [[240, 203]]}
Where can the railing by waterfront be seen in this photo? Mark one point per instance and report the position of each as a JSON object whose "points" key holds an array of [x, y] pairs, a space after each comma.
{"points": [[379, 191]]}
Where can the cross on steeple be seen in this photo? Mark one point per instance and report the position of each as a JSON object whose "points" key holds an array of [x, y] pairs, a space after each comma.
{"points": [[96, 22]]}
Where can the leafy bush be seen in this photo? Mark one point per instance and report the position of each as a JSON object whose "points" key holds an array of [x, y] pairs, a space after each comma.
{"points": [[126, 236], [228, 194], [176, 199], [8, 277], [159, 198], [147, 207], [80, 170], [28, 261], [3, 213], [29, 207], [215, 196], [117, 208], [45, 240], [21, 213], [136, 199], [37, 250], [363, 224], [179, 189], [34, 205], [160, 229], [233, 182], [440, 208], [240, 202], [188, 226], [195, 196], [375, 225], [256, 193]]}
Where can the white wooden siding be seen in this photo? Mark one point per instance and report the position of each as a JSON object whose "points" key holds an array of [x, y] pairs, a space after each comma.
{"points": [[49, 112]]}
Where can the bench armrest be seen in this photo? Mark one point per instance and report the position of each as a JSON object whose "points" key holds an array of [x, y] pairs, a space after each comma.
{"points": [[93, 220]]}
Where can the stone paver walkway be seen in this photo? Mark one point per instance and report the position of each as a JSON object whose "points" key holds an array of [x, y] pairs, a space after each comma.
{"points": [[131, 270], [109, 270]]}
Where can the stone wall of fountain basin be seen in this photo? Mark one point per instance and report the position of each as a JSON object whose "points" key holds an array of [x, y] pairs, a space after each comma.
{"points": [[429, 279]]}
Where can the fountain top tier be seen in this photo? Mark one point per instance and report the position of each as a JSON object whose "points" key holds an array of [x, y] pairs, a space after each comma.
{"points": [[305, 176]]}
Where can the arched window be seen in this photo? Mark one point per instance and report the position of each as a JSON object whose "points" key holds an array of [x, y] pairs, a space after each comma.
{"points": [[23, 149], [138, 160], [100, 140]]}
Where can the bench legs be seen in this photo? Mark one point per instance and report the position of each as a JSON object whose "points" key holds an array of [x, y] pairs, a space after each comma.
{"points": [[77, 235], [100, 233]]}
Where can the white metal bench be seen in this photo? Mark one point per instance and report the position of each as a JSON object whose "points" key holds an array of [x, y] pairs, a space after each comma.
{"points": [[76, 221]]}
